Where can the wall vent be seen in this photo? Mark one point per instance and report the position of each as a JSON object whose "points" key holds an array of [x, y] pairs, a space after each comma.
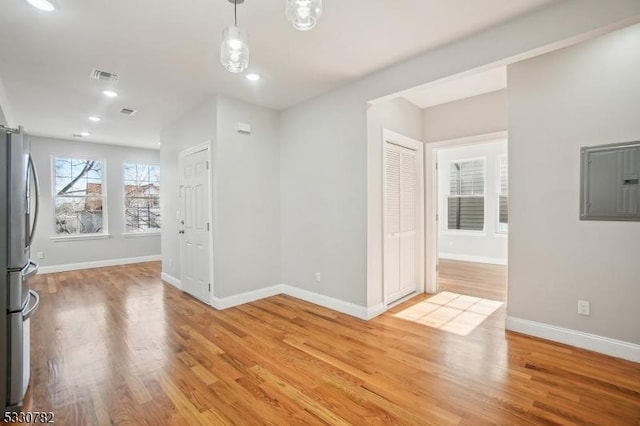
{"points": [[127, 111], [97, 74]]}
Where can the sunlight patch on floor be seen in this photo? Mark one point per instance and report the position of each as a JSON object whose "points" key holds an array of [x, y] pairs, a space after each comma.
{"points": [[452, 312]]}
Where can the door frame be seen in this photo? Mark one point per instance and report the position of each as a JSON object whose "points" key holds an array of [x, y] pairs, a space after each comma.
{"points": [[431, 198], [207, 145], [392, 137]]}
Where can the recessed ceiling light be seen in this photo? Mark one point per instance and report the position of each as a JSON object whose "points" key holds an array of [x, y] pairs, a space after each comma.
{"points": [[94, 118], [42, 5], [84, 134], [110, 93], [253, 77]]}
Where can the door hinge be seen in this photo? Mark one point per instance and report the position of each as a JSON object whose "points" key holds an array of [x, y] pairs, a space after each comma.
{"points": [[437, 217], [436, 165], [207, 226], [207, 165], [209, 287]]}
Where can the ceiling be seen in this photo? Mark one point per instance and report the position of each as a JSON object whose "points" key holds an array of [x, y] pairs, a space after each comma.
{"points": [[465, 87], [166, 55]]}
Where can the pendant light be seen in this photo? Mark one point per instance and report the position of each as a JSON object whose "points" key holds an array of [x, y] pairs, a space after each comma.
{"points": [[234, 49], [303, 14]]}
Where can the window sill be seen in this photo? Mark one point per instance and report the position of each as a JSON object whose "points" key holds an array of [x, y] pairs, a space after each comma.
{"points": [[141, 234], [80, 237], [464, 233]]}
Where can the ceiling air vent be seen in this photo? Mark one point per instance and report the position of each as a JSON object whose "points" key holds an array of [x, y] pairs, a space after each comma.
{"points": [[127, 111], [103, 75]]}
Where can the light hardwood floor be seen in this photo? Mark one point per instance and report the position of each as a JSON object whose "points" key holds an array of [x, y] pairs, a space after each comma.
{"points": [[117, 346], [473, 279]]}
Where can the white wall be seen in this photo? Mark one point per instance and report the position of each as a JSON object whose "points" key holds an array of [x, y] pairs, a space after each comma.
{"points": [[117, 246], [323, 196], [487, 246], [245, 191], [327, 174], [247, 201], [195, 127], [6, 117], [478, 115], [400, 116], [584, 95]]}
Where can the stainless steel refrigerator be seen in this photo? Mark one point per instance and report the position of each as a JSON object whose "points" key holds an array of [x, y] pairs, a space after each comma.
{"points": [[18, 218]]}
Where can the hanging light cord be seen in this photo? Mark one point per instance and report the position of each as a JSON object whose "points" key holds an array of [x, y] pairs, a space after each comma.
{"points": [[235, 12]]}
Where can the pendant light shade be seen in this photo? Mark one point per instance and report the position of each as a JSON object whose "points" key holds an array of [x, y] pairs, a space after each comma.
{"points": [[234, 50], [304, 14]]}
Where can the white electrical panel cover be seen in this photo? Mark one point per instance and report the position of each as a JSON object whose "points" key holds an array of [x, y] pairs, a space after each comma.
{"points": [[609, 182]]}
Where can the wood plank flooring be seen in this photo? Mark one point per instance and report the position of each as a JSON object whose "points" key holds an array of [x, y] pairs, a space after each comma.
{"points": [[117, 346], [473, 279]]}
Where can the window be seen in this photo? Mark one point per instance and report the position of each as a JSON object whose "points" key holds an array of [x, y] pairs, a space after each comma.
{"points": [[141, 197], [465, 203], [503, 194], [78, 196]]}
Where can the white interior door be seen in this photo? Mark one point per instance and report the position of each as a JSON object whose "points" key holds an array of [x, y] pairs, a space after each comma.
{"points": [[403, 263], [194, 224]]}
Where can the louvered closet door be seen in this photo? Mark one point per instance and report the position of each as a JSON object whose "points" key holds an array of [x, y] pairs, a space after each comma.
{"points": [[400, 222]]}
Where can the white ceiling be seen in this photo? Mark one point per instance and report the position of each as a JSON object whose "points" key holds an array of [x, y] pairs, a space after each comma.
{"points": [[166, 53], [466, 87]]}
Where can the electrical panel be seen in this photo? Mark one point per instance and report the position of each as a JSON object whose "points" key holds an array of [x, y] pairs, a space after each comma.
{"points": [[610, 182]]}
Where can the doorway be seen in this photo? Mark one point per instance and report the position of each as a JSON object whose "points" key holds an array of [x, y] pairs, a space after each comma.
{"points": [[403, 218], [469, 199], [194, 221]]}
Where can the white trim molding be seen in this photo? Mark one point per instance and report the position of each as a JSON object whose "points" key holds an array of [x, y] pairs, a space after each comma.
{"points": [[248, 297], [592, 342], [97, 264], [171, 280], [477, 259], [328, 302], [80, 237]]}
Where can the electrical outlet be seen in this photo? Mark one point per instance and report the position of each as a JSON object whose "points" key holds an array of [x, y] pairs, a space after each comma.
{"points": [[584, 307], [318, 277], [40, 255]]}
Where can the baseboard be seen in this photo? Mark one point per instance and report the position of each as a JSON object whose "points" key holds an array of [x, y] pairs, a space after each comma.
{"points": [[171, 280], [338, 305], [97, 264], [469, 258], [242, 298], [348, 308], [592, 342]]}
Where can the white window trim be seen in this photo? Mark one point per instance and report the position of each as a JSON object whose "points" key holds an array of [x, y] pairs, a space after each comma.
{"points": [[139, 234], [144, 233], [80, 237], [467, 232], [105, 207]]}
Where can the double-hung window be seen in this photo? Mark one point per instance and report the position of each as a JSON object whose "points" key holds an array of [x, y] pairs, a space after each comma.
{"points": [[141, 197], [465, 202], [503, 195], [78, 198]]}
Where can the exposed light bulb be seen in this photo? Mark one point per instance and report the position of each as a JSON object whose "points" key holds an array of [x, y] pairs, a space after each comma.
{"points": [[110, 94], [95, 119], [303, 14], [253, 77], [42, 5], [235, 44], [234, 49], [84, 134]]}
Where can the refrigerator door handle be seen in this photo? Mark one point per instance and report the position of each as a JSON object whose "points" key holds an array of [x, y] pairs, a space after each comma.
{"points": [[31, 310], [36, 185], [30, 270]]}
